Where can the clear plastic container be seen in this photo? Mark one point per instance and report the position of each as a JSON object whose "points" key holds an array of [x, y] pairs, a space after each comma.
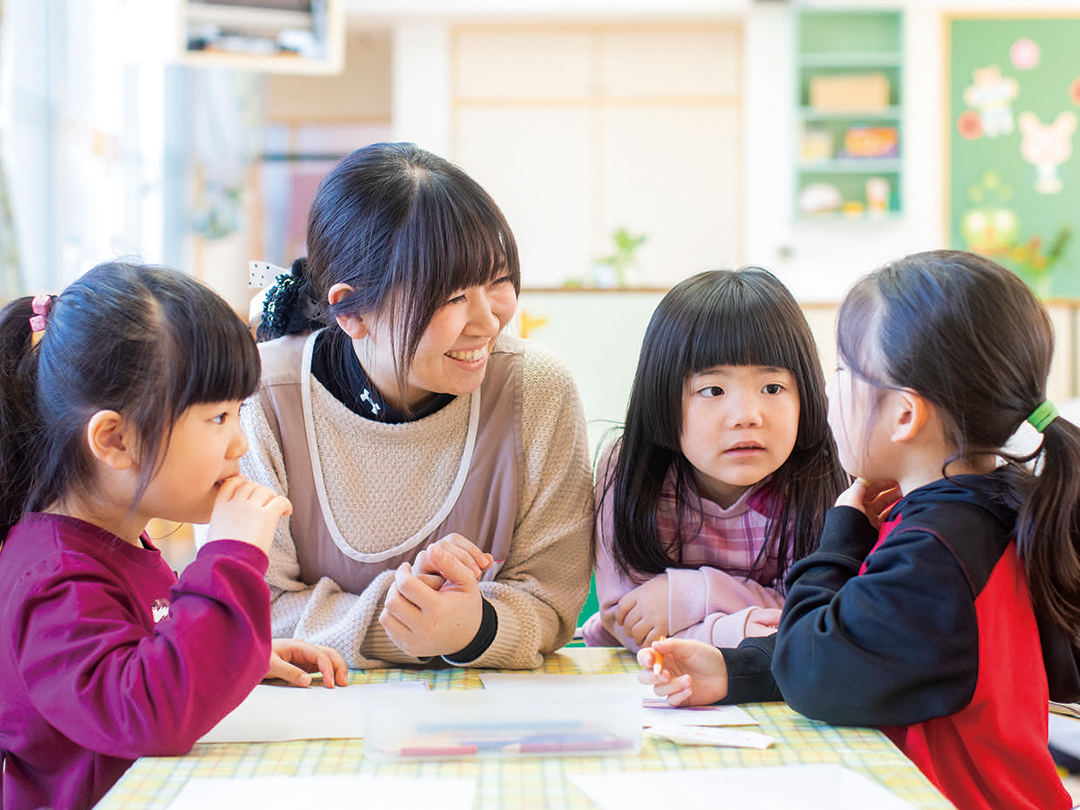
{"points": [[504, 722]]}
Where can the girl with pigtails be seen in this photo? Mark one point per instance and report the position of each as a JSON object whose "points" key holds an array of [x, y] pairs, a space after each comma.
{"points": [[120, 403]]}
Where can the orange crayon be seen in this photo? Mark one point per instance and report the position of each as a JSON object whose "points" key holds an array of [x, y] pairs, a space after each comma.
{"points": [[658, 660]]}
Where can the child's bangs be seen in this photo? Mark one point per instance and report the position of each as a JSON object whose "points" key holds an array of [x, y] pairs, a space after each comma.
{"points": [[224, 368], [215, 353], [741, 327]]}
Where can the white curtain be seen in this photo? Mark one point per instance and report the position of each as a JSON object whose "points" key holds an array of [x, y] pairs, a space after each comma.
{"points": [[10, 284]]}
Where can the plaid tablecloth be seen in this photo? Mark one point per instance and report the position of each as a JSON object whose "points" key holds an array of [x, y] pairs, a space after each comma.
{"points": [[532, 783]]}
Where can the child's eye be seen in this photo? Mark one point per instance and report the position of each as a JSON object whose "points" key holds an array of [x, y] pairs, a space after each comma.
{"points": [[773, 388], [457, 299], [502, 280], [220, 418], [712, 391]]}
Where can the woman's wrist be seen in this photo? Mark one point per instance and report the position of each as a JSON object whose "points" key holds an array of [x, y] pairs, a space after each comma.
{"points": [[489, 628]]}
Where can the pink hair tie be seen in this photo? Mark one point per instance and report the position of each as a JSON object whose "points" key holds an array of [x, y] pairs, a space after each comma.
{"points": [[40, 304]]}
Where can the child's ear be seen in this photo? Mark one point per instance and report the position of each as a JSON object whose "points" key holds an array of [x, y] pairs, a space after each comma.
{"points": [[110, 440], [912, 413], [351, 325]]}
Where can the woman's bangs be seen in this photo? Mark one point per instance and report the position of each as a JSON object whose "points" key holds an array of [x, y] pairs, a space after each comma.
{"points": [[480, 250], [450, 245]]}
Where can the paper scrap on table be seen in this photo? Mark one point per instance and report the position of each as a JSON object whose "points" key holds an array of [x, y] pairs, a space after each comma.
{"points": [[807, 787], [656, 711], [659, 713], [700, 735], [278, 713], [206, 793]]}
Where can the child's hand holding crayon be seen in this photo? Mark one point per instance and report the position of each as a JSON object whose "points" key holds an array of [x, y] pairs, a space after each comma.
{"points": [[684, 672]]}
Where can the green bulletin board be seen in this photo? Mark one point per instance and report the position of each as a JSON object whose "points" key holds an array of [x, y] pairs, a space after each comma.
{"points": [[1014, 146]]}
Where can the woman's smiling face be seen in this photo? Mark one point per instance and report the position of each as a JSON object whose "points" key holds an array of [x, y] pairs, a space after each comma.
{"points": [[452, 355]]}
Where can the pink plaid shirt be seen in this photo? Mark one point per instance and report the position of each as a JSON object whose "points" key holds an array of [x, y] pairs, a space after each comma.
{"points": [[710, 601]]}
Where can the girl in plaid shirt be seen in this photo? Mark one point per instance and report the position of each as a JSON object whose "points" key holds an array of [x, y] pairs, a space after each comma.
{"points": [[723, 471]]}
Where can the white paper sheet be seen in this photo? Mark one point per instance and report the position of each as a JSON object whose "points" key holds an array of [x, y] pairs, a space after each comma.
{"points": [[277, 713], [655, 713], [615, 680], [807, 787], [1065, 734], [204, 793]]}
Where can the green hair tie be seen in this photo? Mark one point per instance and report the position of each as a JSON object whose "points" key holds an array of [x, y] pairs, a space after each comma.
{"points": [[1043, 416]]}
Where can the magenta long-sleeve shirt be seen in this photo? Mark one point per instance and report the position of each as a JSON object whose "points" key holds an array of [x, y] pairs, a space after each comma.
{"points": [[105, 656]]}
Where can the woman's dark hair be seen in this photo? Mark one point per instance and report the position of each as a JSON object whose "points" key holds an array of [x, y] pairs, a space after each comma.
{"points": [[743, 317], [406, 230], [972, 339], [146, 342]]}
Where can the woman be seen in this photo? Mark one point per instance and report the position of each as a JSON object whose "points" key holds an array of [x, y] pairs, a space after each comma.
{"points": [[438, 469]]}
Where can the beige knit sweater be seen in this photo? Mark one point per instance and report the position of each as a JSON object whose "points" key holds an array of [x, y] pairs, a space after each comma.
{"points": [[538, 592]]}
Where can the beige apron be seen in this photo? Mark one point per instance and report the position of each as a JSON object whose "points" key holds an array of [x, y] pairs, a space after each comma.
{"points": [[482, 505]]}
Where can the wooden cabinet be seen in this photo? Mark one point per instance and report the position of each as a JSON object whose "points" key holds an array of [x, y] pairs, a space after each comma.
{"points": [[850, 114]]}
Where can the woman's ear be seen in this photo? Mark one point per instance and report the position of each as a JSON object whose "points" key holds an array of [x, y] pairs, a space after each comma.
{"points": [[351, 325], [110, 440], [911, 415]]}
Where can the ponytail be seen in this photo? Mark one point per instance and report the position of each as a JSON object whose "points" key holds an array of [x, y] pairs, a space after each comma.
{"points": [[969, 336], [18, 412], [146, 342], [1048, 528], [289, 307]]}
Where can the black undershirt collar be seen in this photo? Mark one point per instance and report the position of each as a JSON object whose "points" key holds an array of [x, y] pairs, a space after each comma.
{"points": [[336, 366]]}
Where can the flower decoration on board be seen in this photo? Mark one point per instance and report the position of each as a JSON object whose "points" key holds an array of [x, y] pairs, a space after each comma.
{"points": [[991, 95], [1025, 54], [992, 229], [990, 225], [1030, 257], [1074, 90], [970, 125]]}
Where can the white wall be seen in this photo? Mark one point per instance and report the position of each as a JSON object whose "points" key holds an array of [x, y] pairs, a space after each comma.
{"points": [[818, 260], [421, 76], [599, 334]]}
